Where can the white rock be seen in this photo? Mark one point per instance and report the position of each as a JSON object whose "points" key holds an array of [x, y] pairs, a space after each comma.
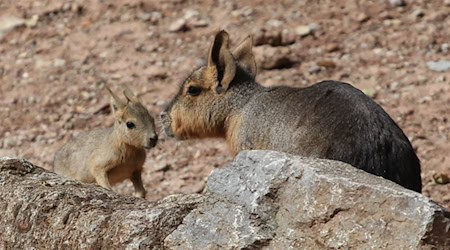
{"points": [[303, 30], [397, 3], [58, 62], [439, 66], [178, 25]]}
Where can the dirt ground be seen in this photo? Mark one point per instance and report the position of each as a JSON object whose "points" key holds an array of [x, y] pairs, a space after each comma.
{"points": [[56, 56]]}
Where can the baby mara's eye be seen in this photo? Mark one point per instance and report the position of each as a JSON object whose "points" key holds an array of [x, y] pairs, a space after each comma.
{"points": [[130, 125], [194, 91]]}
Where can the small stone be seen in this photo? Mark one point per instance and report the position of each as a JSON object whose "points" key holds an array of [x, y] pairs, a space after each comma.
{"points": [[155, 71], [327, 64], [287, 37], [362, 17], [199, 23], [58, 63], [9, 142], [314, 27], [397, 3], [156, 17], [9, 23], [178, 25], [314, 69], [370, 92], [394, 85], [125, 17], [162, 167], [445, 47], [439, 66], [191, 14], [269, 37], [303, 30], [32, 22], [40, 63], [144, 16], [332, 47], [275, 23], [418, 13]]}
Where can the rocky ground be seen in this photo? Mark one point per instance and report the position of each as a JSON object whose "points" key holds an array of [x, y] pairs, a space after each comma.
{"points": [[56, 56]]}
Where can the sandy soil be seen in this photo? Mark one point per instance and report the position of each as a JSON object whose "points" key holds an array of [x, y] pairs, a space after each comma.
{"points": [[56, 57]]}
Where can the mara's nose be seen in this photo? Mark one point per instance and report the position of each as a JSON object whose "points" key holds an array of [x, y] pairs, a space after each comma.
{"points": [[163, 115], [152, 141]]}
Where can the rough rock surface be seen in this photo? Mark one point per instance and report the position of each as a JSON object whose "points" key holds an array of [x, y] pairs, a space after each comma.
{"points": [[41, 210], [264, 199], [287, 202]]}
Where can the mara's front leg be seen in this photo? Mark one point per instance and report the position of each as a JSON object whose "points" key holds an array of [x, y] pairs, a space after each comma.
{"points": [[136, 179], [99, 171], [101, 177]]}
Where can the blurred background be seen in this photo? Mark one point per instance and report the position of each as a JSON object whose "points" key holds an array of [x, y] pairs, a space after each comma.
{"points": [[57, 55]]}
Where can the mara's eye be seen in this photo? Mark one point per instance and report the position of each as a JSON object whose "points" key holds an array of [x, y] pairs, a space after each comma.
{"points": [[194, 91], [130, 125]]}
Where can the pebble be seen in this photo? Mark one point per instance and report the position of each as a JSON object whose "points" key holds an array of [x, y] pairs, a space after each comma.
{"points": [[9, 23], [144, 16], [199, 23], [178, 25], [332, 47], [269, 37], [397, 3], [362, 17], [314, 69], [9, 143], [40, 63], [439, 66], [58, 63], [394, 85], [303, 30], [370, 92], [418, 13], [287, 37], [191, 14], [32, 22], [445, 47], [275, 23]]}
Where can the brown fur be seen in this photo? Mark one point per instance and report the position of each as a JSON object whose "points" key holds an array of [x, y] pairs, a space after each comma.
{"points": [[331, 120], [109, 156]]}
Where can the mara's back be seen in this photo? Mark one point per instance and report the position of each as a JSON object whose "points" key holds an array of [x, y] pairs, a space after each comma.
{"points": [[332, 120], [74, 155]]}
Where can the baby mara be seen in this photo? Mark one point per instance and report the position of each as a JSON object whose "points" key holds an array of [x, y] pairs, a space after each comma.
{"points": [[111, 155], [331, 120]]}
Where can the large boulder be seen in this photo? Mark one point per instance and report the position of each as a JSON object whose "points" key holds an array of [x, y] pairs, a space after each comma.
{"points": [[264, 199]]}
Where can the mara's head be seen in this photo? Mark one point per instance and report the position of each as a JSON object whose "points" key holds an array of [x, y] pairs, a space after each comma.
{"points": [[133, 122], [204, 100]]}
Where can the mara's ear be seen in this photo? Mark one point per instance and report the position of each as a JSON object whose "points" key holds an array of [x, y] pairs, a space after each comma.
{"points": [[130, 96], [116, 103], [244, 56], [222, 60]]}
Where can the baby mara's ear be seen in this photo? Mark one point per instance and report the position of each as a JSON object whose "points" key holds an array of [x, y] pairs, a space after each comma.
{"points": [[131, 97], [116, 103], [222, 62], [243, 54]]}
